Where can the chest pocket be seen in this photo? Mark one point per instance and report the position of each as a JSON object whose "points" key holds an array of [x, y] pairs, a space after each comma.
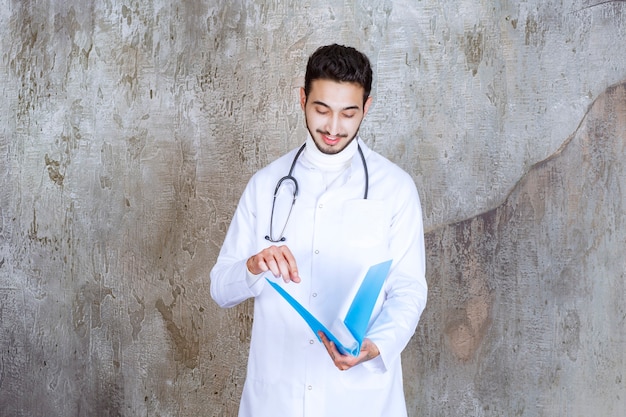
{"points": [[366, 223]]}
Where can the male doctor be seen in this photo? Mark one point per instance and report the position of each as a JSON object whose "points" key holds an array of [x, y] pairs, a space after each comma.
{"points": [[313, 221]]}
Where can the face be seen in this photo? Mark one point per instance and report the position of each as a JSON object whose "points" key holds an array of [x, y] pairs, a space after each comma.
{"points": [[333, 112]]}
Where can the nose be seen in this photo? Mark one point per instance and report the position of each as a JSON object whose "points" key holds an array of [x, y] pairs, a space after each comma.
{"points": [[333, 125]]}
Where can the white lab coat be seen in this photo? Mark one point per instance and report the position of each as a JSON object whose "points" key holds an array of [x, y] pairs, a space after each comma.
{"points": [[335, 235]]}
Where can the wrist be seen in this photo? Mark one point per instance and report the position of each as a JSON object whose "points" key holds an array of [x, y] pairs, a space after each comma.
{"points": [[250, 266]]}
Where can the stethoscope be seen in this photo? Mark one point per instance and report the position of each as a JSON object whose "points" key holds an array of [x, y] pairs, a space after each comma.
{"points": [[290, 178]]}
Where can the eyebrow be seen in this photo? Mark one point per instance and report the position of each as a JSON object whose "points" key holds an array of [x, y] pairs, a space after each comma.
{"points": [[321, 103]]}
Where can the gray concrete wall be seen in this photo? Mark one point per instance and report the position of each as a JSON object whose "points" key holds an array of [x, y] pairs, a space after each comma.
{"points": [[129, 128]]}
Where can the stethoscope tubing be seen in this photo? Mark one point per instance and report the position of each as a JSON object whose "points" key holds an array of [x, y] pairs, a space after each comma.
{"points": [[290, 177]]}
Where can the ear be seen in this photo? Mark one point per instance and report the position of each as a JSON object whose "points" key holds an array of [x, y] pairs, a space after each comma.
{"points": [[367, 105], [302, 98]]}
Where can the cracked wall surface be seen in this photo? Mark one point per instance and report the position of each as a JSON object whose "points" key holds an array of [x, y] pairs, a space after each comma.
{"points": [[527, 304], [128, 130]]}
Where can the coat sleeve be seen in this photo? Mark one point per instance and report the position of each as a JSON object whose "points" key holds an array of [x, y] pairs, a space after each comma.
{"points": [[406, 288], [230, 279]]}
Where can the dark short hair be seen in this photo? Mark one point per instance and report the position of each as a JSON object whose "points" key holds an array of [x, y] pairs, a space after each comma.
{"points": [[339, 63]]}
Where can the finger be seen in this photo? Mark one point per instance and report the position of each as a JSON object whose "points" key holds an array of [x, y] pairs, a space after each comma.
{"points": [[264, 261], [256, 264], [334, 354], [275, 261], [280, 264], [283, 266], [370, 349], [343, 362], [326, 344], [292, 266], [272, 265], [323, 338], [346, 362]]}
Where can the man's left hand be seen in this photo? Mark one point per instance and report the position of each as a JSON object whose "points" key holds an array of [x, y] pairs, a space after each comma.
{"points": [[344, 362]]}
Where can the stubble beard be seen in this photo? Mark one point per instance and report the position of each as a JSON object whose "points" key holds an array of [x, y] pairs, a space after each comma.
{"points": [[331, 150]]}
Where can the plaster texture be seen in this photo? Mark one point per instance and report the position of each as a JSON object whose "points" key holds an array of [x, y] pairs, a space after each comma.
{"points": [[129, 128]]}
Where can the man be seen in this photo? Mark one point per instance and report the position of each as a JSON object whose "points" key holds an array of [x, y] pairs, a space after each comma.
{"points": [[338, 208]]}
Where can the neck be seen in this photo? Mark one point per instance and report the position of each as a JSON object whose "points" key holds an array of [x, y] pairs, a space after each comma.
{"points": [[329, 162]]}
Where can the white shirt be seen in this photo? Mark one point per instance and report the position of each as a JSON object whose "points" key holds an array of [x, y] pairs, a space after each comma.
{"points": [[335, 235]]}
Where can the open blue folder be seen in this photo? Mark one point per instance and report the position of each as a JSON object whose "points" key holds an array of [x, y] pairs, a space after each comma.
{"points": [[348, 334]]}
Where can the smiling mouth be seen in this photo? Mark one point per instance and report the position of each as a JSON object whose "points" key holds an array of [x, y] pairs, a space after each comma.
{"points": [[331, 140]]}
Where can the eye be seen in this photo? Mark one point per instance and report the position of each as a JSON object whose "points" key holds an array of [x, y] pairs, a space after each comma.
{"points": [[348, 115], [321, 110]]}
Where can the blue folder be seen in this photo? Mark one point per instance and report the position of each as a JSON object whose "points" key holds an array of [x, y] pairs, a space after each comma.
{"points": [[348, 334]]}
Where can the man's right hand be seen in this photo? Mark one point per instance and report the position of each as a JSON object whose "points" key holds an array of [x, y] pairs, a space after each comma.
{"points": [[277, 259]]}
